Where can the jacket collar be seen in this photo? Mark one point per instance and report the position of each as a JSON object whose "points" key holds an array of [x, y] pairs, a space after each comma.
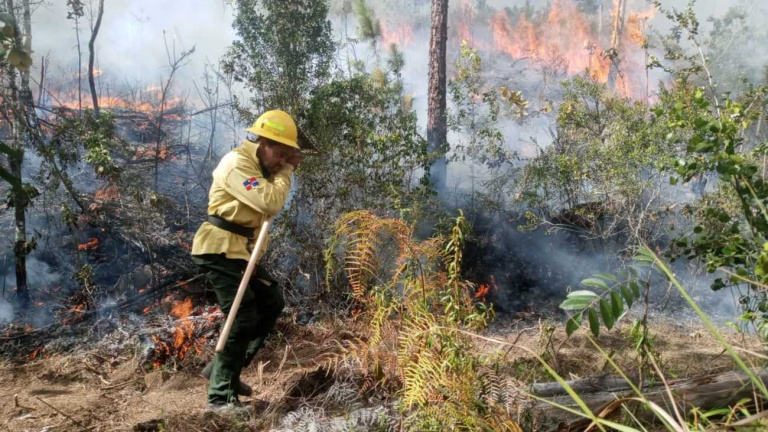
{"points": [[250, 148]]}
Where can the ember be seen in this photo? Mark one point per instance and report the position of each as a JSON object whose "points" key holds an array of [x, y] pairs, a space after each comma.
{"points": [[37, 351], [149, 153], [91, 244], [109, 193], [484, 289]]}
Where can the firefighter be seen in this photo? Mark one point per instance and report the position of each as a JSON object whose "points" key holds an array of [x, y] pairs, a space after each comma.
{"points": [[250, 184]]}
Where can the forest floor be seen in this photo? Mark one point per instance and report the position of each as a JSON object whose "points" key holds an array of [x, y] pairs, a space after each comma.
{"points": [[104, 390]]}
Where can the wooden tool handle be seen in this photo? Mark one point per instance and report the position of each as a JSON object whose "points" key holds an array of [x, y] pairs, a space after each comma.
{"points": [[244, 283]]}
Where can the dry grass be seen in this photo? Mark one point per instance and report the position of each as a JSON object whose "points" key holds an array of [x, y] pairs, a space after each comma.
{"points": [[299, 369]]}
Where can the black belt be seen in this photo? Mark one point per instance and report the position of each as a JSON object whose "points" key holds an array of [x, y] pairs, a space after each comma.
{"points": [[232, 227]]}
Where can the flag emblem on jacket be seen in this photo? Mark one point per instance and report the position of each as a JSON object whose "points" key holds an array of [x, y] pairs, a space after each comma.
{"points": [[250, 183]]}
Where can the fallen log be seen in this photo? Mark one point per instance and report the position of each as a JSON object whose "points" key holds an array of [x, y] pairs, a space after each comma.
{"points": [[601, 393], [585, 385]]}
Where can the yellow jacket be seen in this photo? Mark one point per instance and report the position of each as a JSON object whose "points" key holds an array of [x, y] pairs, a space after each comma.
{"points": [[240, 194]]}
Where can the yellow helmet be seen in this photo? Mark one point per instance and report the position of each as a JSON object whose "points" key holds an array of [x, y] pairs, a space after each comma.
{"points": [[277, 126]]}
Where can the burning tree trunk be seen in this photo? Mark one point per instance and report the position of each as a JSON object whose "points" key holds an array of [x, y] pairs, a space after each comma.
{"points": [[613, 53], [92, 55], [437, 128]]}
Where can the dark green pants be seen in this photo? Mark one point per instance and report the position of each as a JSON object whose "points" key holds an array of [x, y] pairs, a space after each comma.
{"points": [[256, 317]]}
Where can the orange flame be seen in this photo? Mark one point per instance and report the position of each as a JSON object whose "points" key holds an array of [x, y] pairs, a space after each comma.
{"points": [[39, 350], [150, 152], [401, 35], [183, 337], [182, 309], [482, 291], [636, 26], [567, 35], [91, 244], [464, 27], [149, 99], [108, 193]]}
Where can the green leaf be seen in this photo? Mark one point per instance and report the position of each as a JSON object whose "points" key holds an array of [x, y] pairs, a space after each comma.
{"points": [[574, 323], [20, 59], [607, 276], [607, 314], [577, 303], [595, 283], [643, 257], [673, 180], [594, 323], [582, 294], [617, 305], [635, 288], [627, 293]]}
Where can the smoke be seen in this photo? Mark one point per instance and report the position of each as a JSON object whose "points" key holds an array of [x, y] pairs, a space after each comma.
{"points": [[39, 274], [130, 44], [528, 267], [6, 311], [131, 50]]}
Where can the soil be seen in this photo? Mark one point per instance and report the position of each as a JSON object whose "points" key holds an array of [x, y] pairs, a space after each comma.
{"points": [[107, 392]]}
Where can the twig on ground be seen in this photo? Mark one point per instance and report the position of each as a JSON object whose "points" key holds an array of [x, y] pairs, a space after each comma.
{"points": [[64, 414], [282, 362], [18, 405]]}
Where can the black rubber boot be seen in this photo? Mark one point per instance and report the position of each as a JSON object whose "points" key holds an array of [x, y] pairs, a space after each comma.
{"points": [[243, 389]]}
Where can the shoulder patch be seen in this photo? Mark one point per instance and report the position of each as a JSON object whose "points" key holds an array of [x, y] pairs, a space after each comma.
{"points": [[250, 183]]}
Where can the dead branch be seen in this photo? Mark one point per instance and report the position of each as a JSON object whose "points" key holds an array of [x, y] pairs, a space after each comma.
{"points": [[705, 393], [64, 414]]}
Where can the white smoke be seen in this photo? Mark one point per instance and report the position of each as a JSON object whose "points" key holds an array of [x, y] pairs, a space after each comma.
{"points": [[6, 311], [130, 46]]}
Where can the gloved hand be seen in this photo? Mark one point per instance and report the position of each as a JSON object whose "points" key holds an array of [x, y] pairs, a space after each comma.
{"points": [[295, 159]]}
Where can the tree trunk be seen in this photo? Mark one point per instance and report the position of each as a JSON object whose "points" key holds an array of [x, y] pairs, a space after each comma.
{"points": [[437, 128], [616, 34], [20, 248], [79, 68], [600, 394], [91, 57], [16, 157]]}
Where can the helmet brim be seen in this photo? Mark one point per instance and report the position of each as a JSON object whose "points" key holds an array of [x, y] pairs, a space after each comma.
{"points": [[281, 140]]}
